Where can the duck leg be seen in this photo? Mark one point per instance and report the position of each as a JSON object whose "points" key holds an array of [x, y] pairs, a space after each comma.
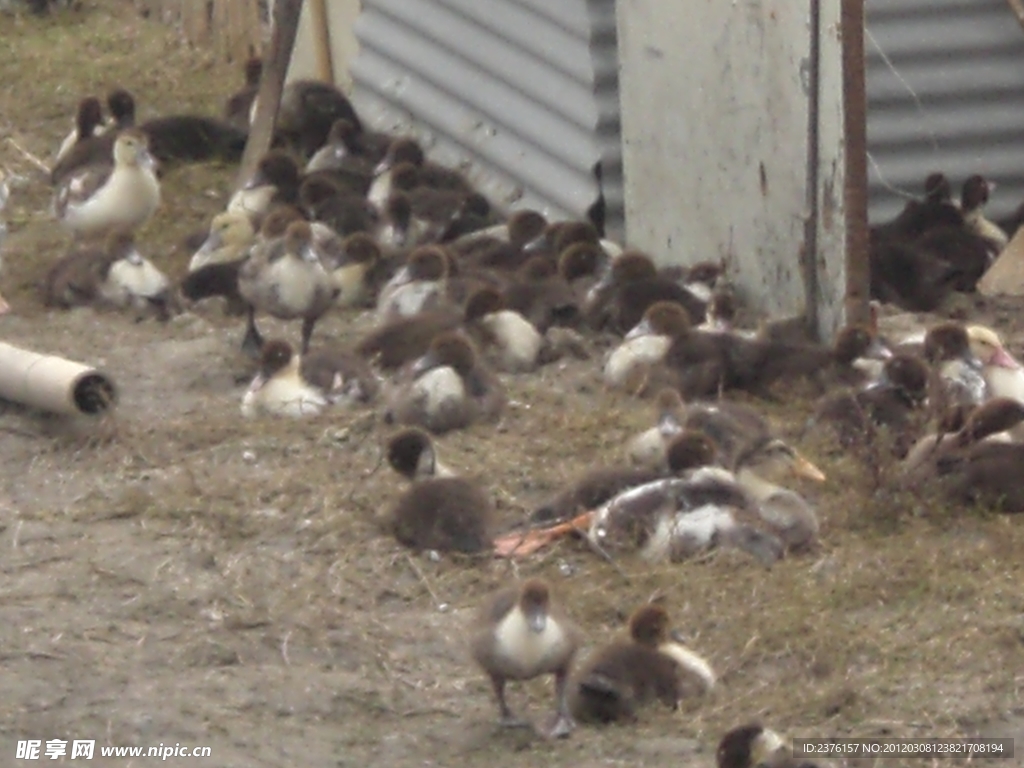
{"points": [[564, 723], [253, 341], [307, 332], [508, 720]]}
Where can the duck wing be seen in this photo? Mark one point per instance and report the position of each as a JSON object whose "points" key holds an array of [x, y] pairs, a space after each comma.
{"points": [[80, 186]]}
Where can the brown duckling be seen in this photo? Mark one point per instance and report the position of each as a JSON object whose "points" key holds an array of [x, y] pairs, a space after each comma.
{"points": [[520, 634], [238, 106], [404, 339], [97, 149], [307, 111], [508, 338], [958, 373], [408, 150], [653, 664], [543, 292], [500, 246], [629, 287], [276, 180], [284, 278], [114, 275], [193, 139], [892, 401], [448, 388], [411, 453], [443, 513], [353, 273], [343, 152], [754, 746], [281, 387], [416, 287], [343, 210]]}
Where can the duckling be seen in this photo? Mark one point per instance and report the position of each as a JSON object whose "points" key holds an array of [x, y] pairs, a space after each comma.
{"points": [[958, 372], [629, 287], [307, 111], [237, 106], [652, 665], [1003, 374], [98, 198], [448, 388], [411, 453], [543, 290], [408, 150], [115, 274], [973, 197], [88, 122], [520, 634], [353, 273], [276, 180], [443, 513], [288, 384], [403, 177], [754, 746], [648, 448], [417, 286], [399, 227], [474, 214], [515, 343], [891, 401], [230, 237], [643, 346], [286, 279], [343, 210], [986, 470], [500, 246], [341, 150], [402, 340], [193, 139]]}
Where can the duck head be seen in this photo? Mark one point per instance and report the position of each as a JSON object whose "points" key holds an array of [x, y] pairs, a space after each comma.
{"points": [[690, 449], [132, 149], [403, 150], [428, 262], [534, 603], [536, 268], [937, 188], [663, 318], [277, 220], [774, 457], [748, 746], [404, 177], [986, 345], [449, 349], [276, 356], [650, 626], [949, 341], [482, 302], [990, 418], [228, 228], [525, 226], [908, 374], [276, 168], [298, 241], [856, 341], [361, 248], [122, 107], [89, 117], [411, 454], [975, 193], [580, 260], [313, 191]]}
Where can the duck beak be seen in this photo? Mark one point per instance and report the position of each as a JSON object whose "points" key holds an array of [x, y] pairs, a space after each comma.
{"points": [[1003, 359], [802, 467], [426, 363], [537, 621], [212, 242], [669, 426], [309, 254], [877, 350], [382, 167], [643, 328], [257, 180], [765, 747], [536, 244], [401, 277], [991, 186], [146, 160], [677, 637], [258, 382], [134, 258]]}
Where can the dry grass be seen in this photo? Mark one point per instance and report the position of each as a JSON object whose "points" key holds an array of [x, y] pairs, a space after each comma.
{"points": [[192, 577]]}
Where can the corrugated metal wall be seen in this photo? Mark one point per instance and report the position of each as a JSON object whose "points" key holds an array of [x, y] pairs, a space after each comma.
{"points": [[964, 59], [522, 94]]}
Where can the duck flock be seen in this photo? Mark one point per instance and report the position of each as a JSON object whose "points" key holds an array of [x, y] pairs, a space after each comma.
{"points": [[338, 218]]}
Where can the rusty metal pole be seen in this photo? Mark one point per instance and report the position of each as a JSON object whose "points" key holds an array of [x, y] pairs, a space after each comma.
{"points": [[275, 69], [855, 193]]}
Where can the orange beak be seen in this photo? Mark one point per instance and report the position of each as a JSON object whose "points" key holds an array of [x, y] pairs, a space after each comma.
{"points": [[802, 467]]}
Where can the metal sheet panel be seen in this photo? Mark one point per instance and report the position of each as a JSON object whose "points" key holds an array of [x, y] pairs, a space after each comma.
{"points": [[520, 94], [715, 128], [945, 83]]}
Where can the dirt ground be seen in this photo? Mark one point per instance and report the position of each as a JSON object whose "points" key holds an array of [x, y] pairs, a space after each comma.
{"points": [[176, 574]]}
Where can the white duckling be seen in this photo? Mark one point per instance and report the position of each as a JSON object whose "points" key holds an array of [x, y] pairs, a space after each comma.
{"points": [[642, 346], [506, 336], [97, 198], [416, 287]]}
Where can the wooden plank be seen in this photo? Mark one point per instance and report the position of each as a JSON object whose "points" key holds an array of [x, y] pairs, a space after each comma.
{"points": [[275, 68]]}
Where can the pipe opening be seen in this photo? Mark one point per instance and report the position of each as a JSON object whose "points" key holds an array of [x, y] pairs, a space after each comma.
{"points": [[94, 393]]}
